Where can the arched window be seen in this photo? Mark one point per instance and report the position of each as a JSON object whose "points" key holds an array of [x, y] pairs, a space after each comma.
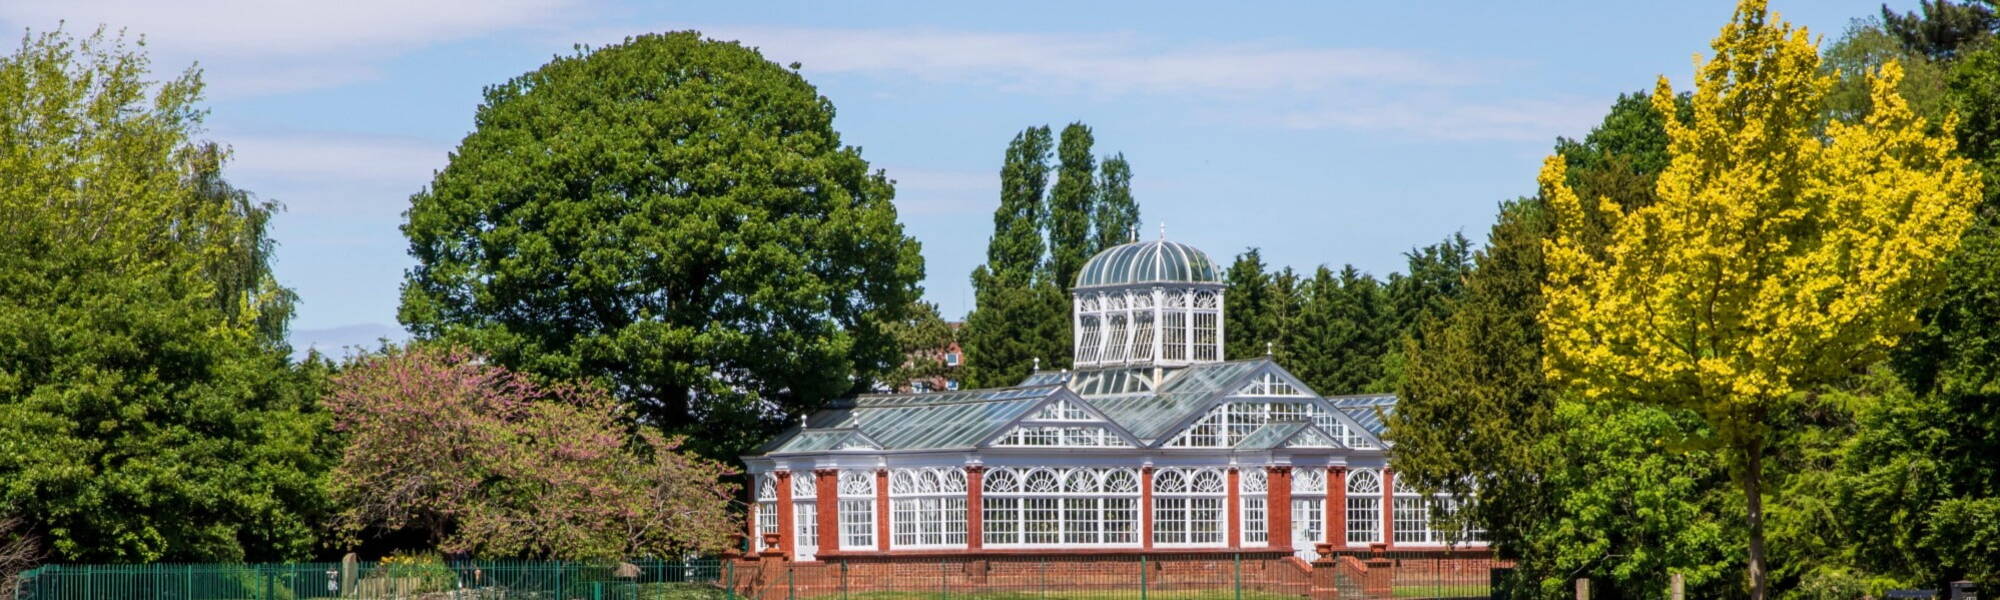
{"points": [[1048, 507], [1187, 506], [1364, 507], [1252, 487], [767, 506], [927, 507], [805, 517], [857, 509]]}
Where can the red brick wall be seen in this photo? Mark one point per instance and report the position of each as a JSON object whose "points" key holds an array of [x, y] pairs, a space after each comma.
{"points": [[1068, 570]]}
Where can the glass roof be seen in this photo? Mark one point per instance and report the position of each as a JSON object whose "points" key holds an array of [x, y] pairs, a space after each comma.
{"points": [[1270, 435], [1148, 262], [932, 421], [819, 440], [961, 420], [1367, 410], [1186, 392]]}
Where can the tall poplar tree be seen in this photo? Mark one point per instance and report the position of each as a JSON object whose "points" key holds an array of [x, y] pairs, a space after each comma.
{"points": [[1071, 204], [1780, 255], [1008, 328], [1116, 214]]}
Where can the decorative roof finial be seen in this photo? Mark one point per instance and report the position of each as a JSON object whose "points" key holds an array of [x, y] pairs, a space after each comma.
{"points": [[1038, 363], [1163, 230], [1267, 348], [1135, 233]]}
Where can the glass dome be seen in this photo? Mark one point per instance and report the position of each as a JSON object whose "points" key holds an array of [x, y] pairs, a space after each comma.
{"points": [[1155, 261]]}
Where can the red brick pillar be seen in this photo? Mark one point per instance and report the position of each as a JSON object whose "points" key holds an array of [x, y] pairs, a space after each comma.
{"points": [[786, 528], [770, 565], [826, 487], [882, 509], [1278, 500], [750, 544], [1146, 507], [1235, 509], [1336, 506], [1388, 507], [975, 513]]}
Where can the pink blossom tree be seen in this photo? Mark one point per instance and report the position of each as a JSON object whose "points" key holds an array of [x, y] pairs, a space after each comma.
{"points": [[485, 460]]}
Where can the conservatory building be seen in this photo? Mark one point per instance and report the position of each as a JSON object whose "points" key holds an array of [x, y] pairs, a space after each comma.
{"points": [[1154, 442]]}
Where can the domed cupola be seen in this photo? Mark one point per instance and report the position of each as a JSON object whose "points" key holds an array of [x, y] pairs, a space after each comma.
{"points": [[1151, 304], [1156, 261]]}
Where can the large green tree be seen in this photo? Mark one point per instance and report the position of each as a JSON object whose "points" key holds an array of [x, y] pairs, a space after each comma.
{"points": [[1338, 342], [1249, 322], [675, 218], [147, 407]]}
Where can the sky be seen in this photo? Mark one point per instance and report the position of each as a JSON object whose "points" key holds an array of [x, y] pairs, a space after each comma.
{"points": [[1320, 132]]}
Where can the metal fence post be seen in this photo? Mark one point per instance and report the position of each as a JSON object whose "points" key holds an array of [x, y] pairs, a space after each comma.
{"points": [[791, 589], [729, 580], [843, 579], [1142, 577], [1239, 576]]}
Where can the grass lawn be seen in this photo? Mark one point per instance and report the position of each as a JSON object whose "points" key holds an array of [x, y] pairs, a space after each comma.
{"points": [[1447, 590]]}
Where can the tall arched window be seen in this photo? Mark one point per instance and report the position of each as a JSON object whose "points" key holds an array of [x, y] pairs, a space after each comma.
{"points": [[767, 506], [857, 509], [1364, 507], [1252, 489], [805, 519], [927, 508], [1049, 507], [1187, 506]]}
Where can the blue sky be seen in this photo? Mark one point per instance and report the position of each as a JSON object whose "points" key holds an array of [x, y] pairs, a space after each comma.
{"points": [[1320, 132]]}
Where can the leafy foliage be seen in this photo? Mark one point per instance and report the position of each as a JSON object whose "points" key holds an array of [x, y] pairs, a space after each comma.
{"points": [[485, 460], [1116, 216], [1944, 28], [676, 219], [921, 335], [1775, 260], [147, 407]]}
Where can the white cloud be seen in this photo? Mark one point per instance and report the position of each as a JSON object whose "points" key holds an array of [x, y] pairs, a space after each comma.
{"points": [[1079, 62], [270, 46], [1356, 89]]}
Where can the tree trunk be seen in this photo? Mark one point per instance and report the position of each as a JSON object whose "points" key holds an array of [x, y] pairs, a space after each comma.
{"points": [[1753, 491]]}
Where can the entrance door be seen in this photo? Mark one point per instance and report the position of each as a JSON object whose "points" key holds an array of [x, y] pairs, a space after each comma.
{"points": [[1308, 527]]}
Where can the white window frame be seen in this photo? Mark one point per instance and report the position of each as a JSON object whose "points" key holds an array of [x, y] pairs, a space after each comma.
{"points": [[927, 508], [805, 518], [857, 509], [1364, 507], [767, 507], [1049, 507], [1253, 487], [1188, 507]]}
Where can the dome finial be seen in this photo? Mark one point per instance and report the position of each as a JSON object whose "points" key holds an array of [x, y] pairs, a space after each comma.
{"points": [[1163, 230]]}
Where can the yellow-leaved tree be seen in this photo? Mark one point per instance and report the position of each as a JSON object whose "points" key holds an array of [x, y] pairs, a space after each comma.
{"points": [[1783, 253]]}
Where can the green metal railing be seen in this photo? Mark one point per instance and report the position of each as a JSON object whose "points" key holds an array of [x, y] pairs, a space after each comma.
{"points": [[1005, 576], [477, 580]]}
